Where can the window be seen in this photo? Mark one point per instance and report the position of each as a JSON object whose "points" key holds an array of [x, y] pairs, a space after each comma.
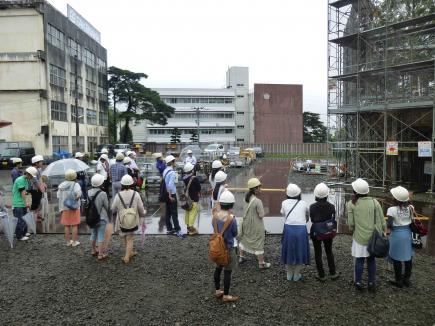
{"points": [[228, 100], [91, 74], [102, 94], [89, 58], [90, 89], [92, 144], [55, 37], [240, 113], [57, 93], [241, 139], [80, 114], [57, 76], [229, 131], [72, 85], [101, 65], [75, 49], [58, 111], [241, 85], [60, 143], [91, 117], [103, 116], [81, 143], [104, 140], [240, 127], [240, 96]]}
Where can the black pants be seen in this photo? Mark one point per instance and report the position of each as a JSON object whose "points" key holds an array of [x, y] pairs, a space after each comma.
{"points": [[227, 279], [172, 213], [398, 267], [318, 256]]}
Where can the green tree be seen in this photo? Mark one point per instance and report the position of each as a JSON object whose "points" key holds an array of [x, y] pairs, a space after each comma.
{"points": [[113, 139], [314, 129], [175, 136], [141, 102], [194, 137], [126, 135]]}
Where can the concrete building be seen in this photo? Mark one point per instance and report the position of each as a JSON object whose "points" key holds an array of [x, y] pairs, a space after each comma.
{"points": [[224, 114], [278, 115], [38, 46]]}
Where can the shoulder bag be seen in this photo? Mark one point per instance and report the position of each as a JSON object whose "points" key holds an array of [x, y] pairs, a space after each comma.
{"points": [[288, 214], [379, 245], [240, 224], [325, 230], [186, 202], [70, 201]]}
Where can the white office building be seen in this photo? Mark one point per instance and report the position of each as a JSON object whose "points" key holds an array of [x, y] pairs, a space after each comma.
{"points": [[224, 114]]}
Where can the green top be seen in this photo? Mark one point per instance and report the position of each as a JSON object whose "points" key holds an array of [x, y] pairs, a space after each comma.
{"points": [[20, 184], [360, 218], [252, 233]]}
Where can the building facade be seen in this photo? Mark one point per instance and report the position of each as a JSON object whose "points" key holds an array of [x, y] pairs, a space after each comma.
{"points": [[223, 113], [40, 51], [278, 117]]}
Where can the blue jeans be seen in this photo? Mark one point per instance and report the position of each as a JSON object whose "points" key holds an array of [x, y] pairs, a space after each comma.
{"points": [[97, 233], [21, 229], [172, 213], [371, 268]]}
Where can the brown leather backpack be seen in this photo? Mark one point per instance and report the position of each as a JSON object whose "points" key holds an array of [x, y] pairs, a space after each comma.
{"points": [[217, 249]]}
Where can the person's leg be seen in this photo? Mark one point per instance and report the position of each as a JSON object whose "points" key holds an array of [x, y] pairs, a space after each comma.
{"points": [[290, 271], [128, 247], [101, 230], [330, 256], [169, 227], [174, 215], [227, 282], [398, 279], [260, 259], [217, 279], [93, 239], [318, 257], [74, 232], [297, 276], [67, 234], [21, 228], [371, 268], [359, 267], [408, 270]]}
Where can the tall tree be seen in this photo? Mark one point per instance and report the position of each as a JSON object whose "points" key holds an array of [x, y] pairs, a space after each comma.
{"points": [[113, 137], [314, 129], [175, 136], [141, 102]]}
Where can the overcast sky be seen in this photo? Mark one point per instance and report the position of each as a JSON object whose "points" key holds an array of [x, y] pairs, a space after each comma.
{"points": [[191, 43]]}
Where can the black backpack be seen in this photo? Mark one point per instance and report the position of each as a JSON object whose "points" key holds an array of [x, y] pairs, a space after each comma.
{"points": [[92, 214], [163, 192]]}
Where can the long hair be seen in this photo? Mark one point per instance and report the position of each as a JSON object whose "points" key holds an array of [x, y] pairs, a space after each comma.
{"points": [[401, 204], [216, 190], [249, 194], [213, 173], [321, 199], [298, 197], [357, 196]]}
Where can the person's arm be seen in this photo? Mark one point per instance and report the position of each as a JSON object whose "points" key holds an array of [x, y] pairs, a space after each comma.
{"points": [[105, 203], [77, 190], [282, 209], [172, 190], [260, 209], [307, 213], [234, 227], [139, 204], [23, 196], [350, 216], [380, 213]]}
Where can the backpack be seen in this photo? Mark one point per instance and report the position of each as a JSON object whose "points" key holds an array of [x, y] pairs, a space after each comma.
{"points": [[217, 249], [91, 212], [128, 218], [163, 192], [186, 202]]}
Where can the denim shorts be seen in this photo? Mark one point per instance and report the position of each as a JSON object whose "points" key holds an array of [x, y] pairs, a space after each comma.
{"points": [[97, 233]]}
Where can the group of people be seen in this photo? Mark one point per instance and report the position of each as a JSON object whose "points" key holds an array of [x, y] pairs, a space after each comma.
{"points": [[364, 215]]}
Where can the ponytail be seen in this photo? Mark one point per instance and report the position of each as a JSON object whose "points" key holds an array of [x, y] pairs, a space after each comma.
{"points": [[249, 194]]}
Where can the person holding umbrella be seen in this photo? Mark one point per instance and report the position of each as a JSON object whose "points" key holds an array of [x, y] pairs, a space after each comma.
{"points": [[103, 169], [69, 195], [20, 204], [37, 186], [16, 171], [81, 176]]}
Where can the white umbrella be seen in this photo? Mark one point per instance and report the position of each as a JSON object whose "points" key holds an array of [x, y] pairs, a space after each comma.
{"points": [[9, 226], [30, 221], [58, 168]]}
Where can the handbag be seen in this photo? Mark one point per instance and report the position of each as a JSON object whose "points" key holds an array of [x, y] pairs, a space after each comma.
{"points": [[325, 230], [186, 202], [379, 245], [416, 226], [70, 201], [240, 223]]}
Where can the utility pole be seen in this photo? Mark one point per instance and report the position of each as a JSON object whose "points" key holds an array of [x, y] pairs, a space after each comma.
{"points": [[197, 120], [76, 93]]}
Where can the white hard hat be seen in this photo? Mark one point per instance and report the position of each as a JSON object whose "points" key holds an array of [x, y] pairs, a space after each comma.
{"points": [[16, 160], [400, 193], [169, 159], [37, 158], [189, 151], [321, 190], [127, 180], [32, 171], [97, 180], [216, 164], [221, 176], [293, 190], [104, 157], [227, 197], [188, 167], [360, 186], [78, 155], [127, 160], [119, 156], [104, 151], [157, 155]]}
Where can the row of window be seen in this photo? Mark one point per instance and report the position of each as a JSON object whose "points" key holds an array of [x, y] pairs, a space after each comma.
{"points": [[59, 112], [210, 116], [57, 39], [60, 143], [205, 99], [190, 131]]}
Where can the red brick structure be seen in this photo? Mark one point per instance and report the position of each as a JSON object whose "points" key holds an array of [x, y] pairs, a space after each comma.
{"points": [[278, 115]]}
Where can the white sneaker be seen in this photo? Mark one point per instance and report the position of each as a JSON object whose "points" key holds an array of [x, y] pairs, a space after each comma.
{"points": [[75, 244], [27, 234], [69, 244], [24, 239]]}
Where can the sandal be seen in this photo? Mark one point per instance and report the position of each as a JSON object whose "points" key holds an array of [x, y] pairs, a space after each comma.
{"points": [[125, 261], [94, 253], [242, 259], [134, 253], [230, 298], [219, 294], [264, 265], [102, 257]]}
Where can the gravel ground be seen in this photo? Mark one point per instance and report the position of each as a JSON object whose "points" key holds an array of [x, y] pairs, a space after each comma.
{"points": [[43, 282]]}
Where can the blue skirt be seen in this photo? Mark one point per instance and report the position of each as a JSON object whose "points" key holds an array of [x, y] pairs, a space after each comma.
{"points": [[295, 246], [401, 243]]}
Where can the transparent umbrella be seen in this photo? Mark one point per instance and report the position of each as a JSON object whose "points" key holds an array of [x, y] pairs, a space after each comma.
{"points": [[30, 221], [9, 226], [58, 168]]}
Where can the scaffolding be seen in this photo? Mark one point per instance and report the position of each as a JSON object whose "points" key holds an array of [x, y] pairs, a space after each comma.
{"points": [[381, 84]]}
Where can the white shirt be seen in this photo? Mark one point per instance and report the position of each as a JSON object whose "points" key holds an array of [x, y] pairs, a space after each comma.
{"points": [[133, 165], [101, 170], [191, 160], [401, 216], [300, 213]]}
